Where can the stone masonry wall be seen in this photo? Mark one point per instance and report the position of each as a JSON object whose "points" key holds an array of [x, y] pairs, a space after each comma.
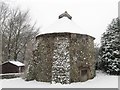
{"points": [[63, 58], [82, 57]]}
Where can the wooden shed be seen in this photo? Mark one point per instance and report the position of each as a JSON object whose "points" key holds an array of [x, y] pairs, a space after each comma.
{"points": [[12, 67]]}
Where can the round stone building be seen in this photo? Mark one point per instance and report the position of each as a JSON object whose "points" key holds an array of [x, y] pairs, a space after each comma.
{"points": [[62, 54]]}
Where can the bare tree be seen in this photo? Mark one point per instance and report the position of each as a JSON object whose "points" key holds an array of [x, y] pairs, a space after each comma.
{"points": [[4, 15], [17, 32]]}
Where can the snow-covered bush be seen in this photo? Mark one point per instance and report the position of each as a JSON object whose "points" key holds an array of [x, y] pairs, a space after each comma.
{"points": [[110, 48]]}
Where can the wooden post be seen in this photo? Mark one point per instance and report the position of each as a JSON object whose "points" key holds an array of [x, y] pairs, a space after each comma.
{"points": [[19, 69], [0, 48]]}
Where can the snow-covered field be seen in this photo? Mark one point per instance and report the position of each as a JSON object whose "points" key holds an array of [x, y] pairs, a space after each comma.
{"points": [[100, 81]]}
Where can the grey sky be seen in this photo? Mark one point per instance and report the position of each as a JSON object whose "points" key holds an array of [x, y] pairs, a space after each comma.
{"points": [[92, 16]]}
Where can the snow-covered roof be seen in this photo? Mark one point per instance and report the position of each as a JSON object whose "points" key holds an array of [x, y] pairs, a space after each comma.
{"points": [[63, 24], [17, 63]]}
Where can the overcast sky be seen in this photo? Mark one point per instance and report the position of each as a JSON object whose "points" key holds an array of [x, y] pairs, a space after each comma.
{"points": [[92, 16]]}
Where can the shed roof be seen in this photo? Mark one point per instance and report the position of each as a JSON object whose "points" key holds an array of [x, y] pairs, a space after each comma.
{"points": [[17, 63]]}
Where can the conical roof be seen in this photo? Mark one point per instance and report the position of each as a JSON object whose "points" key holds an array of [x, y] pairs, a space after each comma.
{"points": [[63, 24]]}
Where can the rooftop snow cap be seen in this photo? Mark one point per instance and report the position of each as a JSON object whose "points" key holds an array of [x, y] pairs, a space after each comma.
{"points": [[17, 63], [63, 24], [65, 14]]}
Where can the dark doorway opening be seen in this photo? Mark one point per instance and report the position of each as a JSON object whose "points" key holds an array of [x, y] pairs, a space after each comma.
{"points": [[84, 75]]}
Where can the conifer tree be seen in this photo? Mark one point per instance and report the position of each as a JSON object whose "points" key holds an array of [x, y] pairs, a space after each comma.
{"points": [[110, 48]]}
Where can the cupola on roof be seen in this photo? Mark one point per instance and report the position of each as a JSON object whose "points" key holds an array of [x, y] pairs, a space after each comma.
{"points": [[65, 14]]}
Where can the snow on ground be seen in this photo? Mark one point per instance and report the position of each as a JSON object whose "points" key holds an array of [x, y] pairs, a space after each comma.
{"points": [[100, 81]]}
